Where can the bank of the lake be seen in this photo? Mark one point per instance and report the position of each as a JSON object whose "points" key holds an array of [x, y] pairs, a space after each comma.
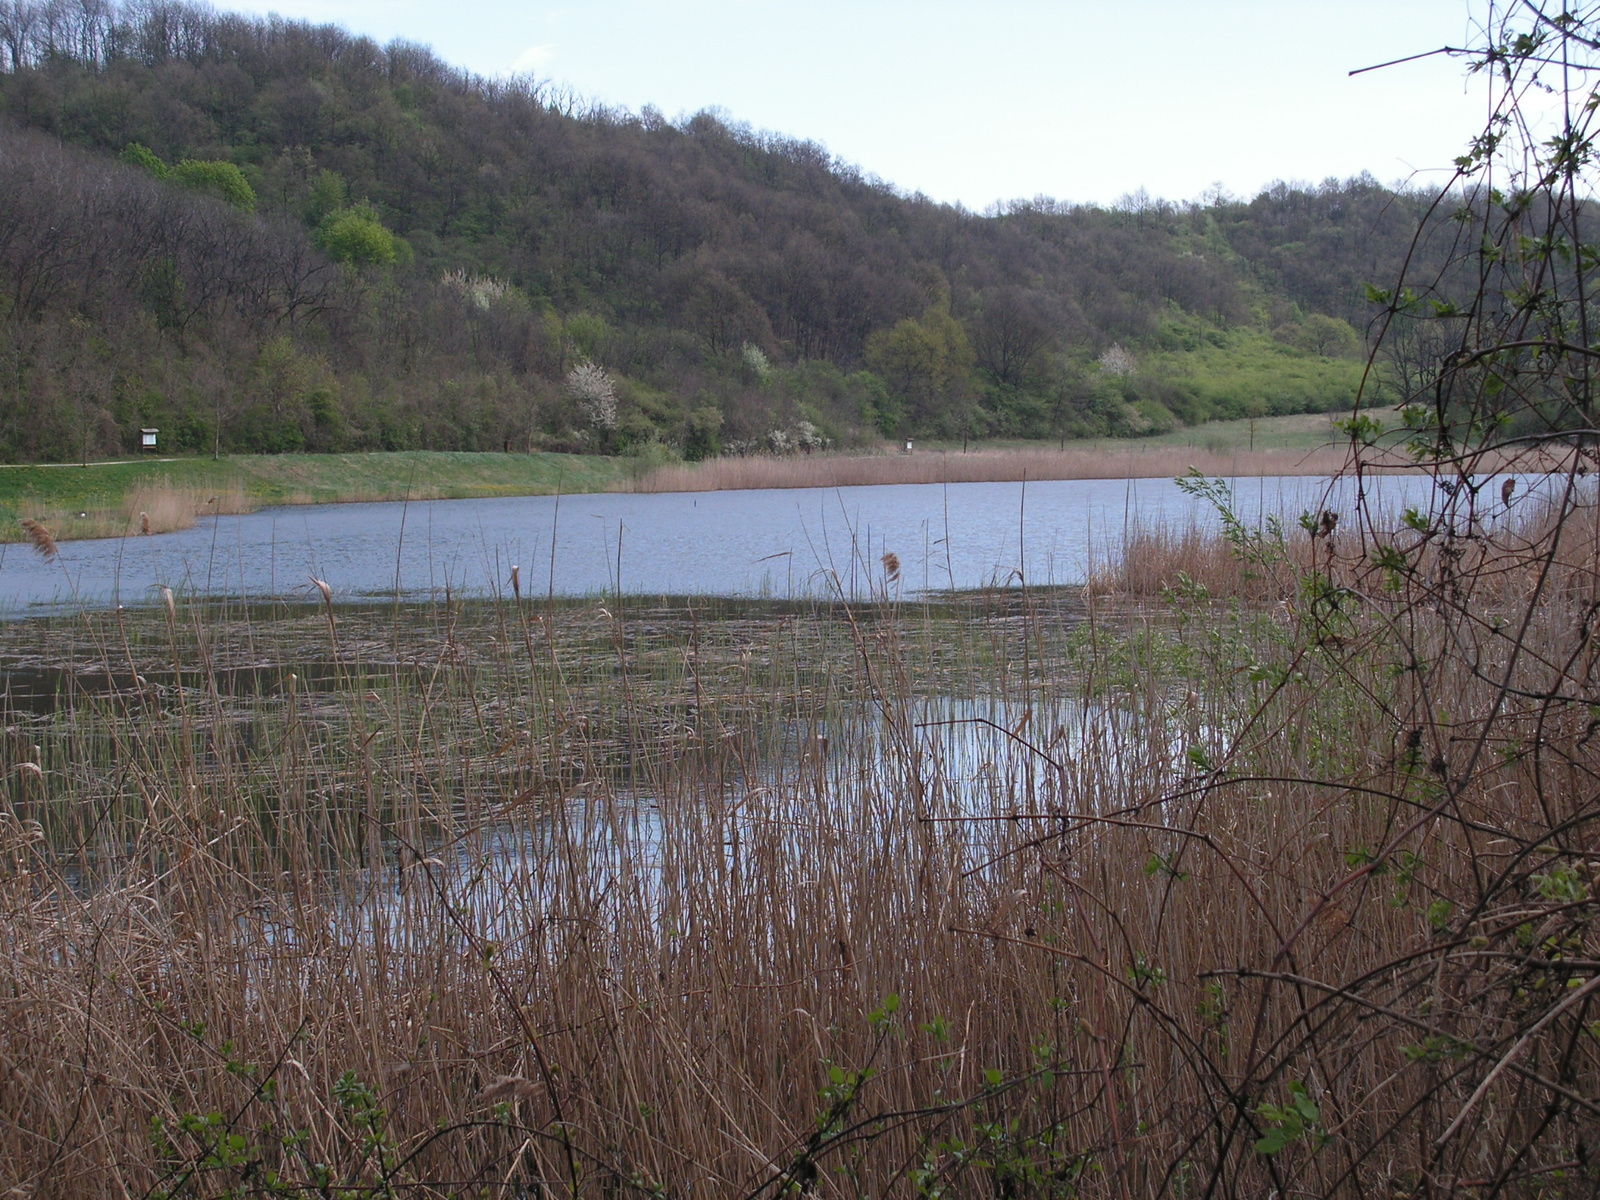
{"points": [[161, 495], [116, 498]]}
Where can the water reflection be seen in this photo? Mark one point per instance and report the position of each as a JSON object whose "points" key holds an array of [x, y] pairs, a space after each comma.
{"points": [[962, 764]]}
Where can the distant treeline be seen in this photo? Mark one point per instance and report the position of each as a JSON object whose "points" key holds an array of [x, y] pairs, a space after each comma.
{"points": [[272, 236]]}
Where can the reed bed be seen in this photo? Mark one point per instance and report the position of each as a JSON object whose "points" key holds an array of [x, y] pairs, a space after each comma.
{"points": [[1157, 559], [985, 466], [1015, 895], [153, 508], [164, 508]]}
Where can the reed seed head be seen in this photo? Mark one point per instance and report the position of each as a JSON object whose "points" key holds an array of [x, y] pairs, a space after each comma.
{"points": [[40, 538]]}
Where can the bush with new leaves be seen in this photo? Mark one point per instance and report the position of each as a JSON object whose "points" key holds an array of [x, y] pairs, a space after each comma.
{"points": [[356, 236], [221, 179]]}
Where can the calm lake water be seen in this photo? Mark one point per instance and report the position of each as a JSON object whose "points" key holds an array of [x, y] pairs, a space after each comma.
{"points": [[782, 543]]}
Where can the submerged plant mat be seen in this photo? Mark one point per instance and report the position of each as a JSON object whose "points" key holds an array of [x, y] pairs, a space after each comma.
{"points": [[1019, 894]]}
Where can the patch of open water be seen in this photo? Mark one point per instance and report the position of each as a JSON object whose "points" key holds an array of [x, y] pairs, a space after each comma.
{"points": [[780, 543]]}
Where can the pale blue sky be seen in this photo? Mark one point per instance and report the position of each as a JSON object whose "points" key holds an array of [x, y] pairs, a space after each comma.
{"points": [[975, 102]]}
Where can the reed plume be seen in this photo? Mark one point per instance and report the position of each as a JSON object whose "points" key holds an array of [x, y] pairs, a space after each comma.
{"points": [[40, 538]]}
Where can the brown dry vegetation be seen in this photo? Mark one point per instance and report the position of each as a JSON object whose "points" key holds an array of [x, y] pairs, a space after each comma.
{"points": [[1158, 558], [1015, 898], [154, 508], [163, 508], [984, 466], [1128, 460]]}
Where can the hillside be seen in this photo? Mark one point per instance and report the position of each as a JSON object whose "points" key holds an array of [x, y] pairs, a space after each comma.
{"points": [[269, 236]]}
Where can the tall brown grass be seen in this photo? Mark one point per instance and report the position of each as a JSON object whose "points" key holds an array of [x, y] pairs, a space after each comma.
{"points": [[1010, 897], [1157, 559], [163, 508], [849, 470], [154, 508]]}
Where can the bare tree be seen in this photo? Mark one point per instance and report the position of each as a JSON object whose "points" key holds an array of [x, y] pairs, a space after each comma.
{"points": [[17, 21], [1008, 334]]}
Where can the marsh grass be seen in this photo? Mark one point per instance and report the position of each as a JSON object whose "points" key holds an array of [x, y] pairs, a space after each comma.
{"points": [[1023, 894]]}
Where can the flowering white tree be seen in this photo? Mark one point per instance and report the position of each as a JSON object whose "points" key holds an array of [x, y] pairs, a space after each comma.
{"points": [[1117, 361], [481, 291], [756, 360], [809, 437], [596, 396]]}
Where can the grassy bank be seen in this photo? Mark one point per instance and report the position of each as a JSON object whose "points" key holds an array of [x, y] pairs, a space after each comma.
{"points": [[107, 499], [1185, 885]]}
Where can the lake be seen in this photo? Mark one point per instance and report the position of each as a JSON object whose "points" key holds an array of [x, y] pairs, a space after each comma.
{"points": [[782, 543]]}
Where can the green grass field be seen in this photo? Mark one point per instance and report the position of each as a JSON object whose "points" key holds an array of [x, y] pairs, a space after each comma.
{"points": [[1250, 373]]}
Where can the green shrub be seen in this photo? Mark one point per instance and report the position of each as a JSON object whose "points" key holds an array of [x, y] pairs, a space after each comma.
{"points": [[145, 159], [702, 433], [357, 237], [221, 179]]}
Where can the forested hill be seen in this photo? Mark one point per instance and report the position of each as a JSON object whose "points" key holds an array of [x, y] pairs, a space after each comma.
{"points": [[268, 235]]}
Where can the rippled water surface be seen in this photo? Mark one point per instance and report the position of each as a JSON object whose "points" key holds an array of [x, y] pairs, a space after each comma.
{"points": [[737, 543]]}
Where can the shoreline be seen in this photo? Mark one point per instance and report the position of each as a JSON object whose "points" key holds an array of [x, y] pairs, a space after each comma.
{"points": [[131, 497], [135, 497]]}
